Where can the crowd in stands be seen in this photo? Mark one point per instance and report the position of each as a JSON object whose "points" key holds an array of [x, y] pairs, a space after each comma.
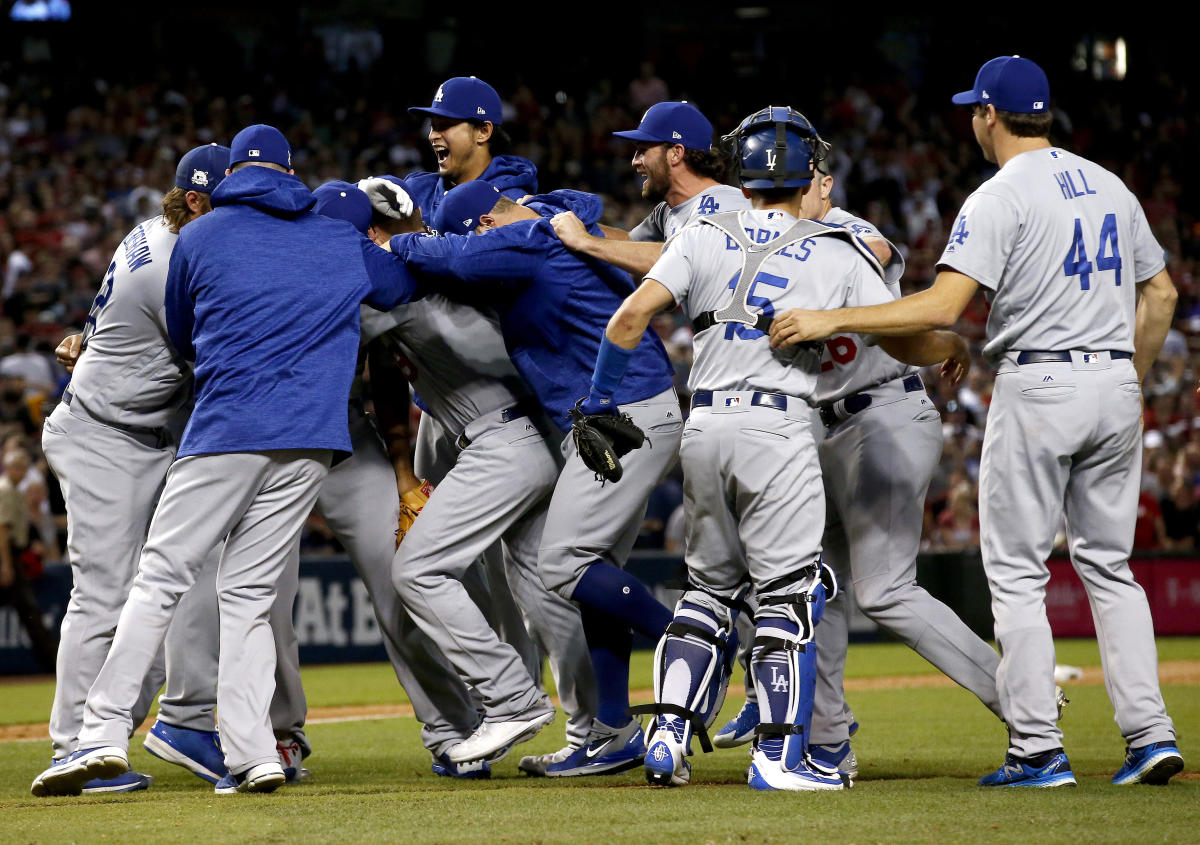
{"points": [[79, 169]]}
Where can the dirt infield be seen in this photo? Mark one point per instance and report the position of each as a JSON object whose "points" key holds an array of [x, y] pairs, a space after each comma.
{"points": [[1169, 672]]}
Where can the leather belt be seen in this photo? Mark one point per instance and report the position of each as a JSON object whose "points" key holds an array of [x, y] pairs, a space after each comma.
{"points": [[503, 416], [1037, 357], [778, 401], [862, 400]]}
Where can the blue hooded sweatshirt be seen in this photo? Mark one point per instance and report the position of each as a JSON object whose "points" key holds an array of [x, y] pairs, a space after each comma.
{"points": [[553, 304], [263, 294], [512, 176]]}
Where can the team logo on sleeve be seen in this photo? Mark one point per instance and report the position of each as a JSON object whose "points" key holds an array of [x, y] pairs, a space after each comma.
{"points": [[959, 236], [200, 177]]}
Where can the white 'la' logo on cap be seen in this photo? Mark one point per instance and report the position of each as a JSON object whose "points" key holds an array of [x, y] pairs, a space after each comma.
{"points": [[254, 153], [437, 98], [770, 159], [199, 177]]}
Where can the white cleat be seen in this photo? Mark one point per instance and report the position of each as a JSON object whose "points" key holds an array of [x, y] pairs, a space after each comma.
{"points": [[265, 777], [68, 777], [769, 775], [493, 737]]}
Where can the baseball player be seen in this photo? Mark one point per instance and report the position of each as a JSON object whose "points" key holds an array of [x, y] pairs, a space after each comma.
{"points": [[110, 443], [465, 127], [684, 175], [752, 484], [1080, 305], [883, 442], [256, 448], [552, 306]]}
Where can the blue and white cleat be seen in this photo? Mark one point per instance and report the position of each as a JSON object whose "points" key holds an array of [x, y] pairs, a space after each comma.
{"points": [[265, 777], [197, 751], [1016, 773], [535, 765], [740, 729], [68, 777], [608, 750], [1154, 764], [770, 776], [473, 770], [666, 760], [834, 758]]}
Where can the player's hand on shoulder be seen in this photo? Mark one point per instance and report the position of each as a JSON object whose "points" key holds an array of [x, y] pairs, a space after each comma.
{"points": [[958, 364], [67, 352], [798, 326], [570, 229]]}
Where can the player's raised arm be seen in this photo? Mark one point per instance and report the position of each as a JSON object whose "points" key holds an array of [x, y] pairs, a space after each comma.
{"points": [[621, 338], [635, 256], [938, 307], [1155, 309]]}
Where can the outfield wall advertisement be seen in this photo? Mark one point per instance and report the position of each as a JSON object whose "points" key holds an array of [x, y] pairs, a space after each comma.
{"points": [[335, 622]]}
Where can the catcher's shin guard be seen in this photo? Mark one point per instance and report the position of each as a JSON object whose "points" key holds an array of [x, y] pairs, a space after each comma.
{"points": [[785, 671], [690, 669]]}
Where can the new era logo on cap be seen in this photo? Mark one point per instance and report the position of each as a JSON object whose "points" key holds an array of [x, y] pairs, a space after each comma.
{"points": [[676, 136], [254, 153]]}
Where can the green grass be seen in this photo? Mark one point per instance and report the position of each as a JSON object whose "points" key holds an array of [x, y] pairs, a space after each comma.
{"points": [[920, 751]]}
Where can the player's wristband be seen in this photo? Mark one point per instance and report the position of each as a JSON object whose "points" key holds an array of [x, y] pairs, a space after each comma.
{"points": [[611, 363]]}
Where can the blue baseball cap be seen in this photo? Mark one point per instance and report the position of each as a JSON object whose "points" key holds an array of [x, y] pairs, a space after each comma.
{"points": [[464, 98], [1010, 83], [344, 201], [462, 206], [673, 123], [259, 143], [202, 168]]}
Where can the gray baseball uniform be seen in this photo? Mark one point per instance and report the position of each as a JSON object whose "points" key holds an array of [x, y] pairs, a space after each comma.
{"points": [[454, 356], [664, 221], [1060, 243], [883, 444], [752, 482], [110, 443]]}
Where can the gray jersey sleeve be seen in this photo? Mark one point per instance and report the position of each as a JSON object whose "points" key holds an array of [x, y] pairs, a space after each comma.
{"points": [[654, 227], [982, 238], [894, 268], [673, 270]]}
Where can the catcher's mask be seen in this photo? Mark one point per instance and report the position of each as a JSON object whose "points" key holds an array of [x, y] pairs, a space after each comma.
{"points": [[776, 147]]}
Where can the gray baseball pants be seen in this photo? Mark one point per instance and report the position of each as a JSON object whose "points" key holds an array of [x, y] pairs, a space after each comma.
{"points": [[589, 522], [110, 479], [1064, 439], [500, 477], [259, 501], [877, 465], [525, 615]]}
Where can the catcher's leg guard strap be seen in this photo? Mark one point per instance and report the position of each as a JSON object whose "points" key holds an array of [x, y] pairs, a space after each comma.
{"points": [[688, 667]]}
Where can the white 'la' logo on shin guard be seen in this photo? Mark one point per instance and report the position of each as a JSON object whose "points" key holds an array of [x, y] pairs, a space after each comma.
{"points": [[779, 683]]}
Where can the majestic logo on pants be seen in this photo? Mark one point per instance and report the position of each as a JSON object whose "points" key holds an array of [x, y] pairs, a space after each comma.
{"points": [[779, 683]]}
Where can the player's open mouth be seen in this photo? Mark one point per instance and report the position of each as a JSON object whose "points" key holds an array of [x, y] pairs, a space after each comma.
{"points": [[442, 154]]}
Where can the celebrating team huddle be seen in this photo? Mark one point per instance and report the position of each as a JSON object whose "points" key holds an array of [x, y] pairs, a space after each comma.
{"points": [[219, 394]]}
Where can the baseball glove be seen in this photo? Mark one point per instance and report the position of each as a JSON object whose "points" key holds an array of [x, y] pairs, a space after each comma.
{"points": [[603, 439], [410, 506]]}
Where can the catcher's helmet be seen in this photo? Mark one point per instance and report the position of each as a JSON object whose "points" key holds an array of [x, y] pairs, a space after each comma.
{"points": [[776, 147]]}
